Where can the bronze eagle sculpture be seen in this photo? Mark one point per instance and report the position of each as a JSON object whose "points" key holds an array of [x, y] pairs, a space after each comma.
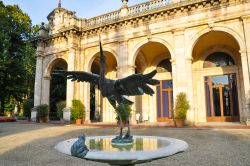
{"points": [[116, 90]]}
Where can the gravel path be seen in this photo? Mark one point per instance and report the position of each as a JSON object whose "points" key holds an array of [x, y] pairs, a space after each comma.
{"points": [[33, 145]]}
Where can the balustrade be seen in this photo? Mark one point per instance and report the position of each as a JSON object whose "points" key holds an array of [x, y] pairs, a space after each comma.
{"points": [[131, 11], [103, 18], [147, 6]]}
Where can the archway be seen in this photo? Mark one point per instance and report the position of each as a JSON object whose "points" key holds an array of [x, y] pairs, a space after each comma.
{"points": [[216, 73], [100, 109], [155, 55], [58, 85]]}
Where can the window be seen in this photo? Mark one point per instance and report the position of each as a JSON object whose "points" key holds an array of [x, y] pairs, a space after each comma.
{"points": [[218, 59]]}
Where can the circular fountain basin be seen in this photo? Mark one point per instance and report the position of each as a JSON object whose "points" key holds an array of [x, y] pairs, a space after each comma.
{"points": [[143, 149]]}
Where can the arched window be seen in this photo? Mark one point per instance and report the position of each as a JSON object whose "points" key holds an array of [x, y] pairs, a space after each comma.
{"points": [[218, 59], [164, 66]]}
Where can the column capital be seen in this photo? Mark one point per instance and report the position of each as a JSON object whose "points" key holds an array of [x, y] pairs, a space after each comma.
{"points": [[40, 54], [189, 59], [173, 61], [243, 53], [245, 18], [71, 48], [178, 32]]}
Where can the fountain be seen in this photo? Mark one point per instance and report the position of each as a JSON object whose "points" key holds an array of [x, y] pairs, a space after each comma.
{"points": [[143, 149], [122, 149]]}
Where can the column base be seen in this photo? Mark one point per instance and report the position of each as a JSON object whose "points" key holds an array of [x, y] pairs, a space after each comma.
{"points": [[66, 115]]}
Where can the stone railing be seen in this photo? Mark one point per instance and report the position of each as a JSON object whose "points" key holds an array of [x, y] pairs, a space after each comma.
{"points": [[131, 11], [103, 18], [147, 6]]}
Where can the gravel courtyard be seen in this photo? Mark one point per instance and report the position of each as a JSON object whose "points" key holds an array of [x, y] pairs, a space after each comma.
{"points": [[24, 144]]}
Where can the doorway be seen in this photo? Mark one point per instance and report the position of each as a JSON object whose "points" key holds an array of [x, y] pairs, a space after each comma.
{"points": [[222, 98], [165, 101]]}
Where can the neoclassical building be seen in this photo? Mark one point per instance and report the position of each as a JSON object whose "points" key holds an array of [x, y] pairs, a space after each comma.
{"points": [[200, 47]]}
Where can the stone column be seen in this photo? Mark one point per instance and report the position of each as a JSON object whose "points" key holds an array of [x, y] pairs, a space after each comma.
{"points": [[70, 84], [73, 41], [131, 70], [182, 71], [38, 77], [45, 90], [189, 85], [246, 32], [86, 91], [244, 115], [174, 75]]}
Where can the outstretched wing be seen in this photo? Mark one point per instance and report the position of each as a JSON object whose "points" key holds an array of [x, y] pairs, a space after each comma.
{"points": [[79, 76], [136, 84]]}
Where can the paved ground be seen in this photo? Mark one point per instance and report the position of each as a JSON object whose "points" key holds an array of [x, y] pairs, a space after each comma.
{"points": [[33, 145]]}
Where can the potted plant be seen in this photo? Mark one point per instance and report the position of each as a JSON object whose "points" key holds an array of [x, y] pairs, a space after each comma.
{"points": [[77, 111], [123, 113], [60, 106], [27, 106], [42, 113], [180, 109]]}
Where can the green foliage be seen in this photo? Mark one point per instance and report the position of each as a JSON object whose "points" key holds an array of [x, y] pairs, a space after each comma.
{"points": [[10, 105], [42, 111], [122, 109], [77, 110], [17, 60], [181, 106], [60, 106], [27, 106]]}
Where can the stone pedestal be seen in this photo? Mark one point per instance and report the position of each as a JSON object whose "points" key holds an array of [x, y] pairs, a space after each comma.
{"points": [[248, 122], [33, 114], [66, 114]]}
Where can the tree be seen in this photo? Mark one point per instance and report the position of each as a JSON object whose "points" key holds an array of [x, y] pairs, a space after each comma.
{"points": [[16, 55]]}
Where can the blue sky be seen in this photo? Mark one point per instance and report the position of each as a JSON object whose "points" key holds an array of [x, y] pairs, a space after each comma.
{"points": [[38, 10]]}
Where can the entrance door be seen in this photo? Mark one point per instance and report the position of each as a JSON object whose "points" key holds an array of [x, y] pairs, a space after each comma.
{"points": [[221, 98], [164, 101]]}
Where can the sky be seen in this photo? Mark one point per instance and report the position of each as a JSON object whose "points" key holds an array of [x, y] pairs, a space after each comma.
{"points": [[38, 10]]}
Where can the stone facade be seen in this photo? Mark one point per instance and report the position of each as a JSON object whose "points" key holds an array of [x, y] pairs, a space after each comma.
{"points": [[137, 39]]}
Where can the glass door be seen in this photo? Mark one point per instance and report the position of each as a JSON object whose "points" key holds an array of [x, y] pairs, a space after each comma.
{"points": [[221, 98], [164, 100]]}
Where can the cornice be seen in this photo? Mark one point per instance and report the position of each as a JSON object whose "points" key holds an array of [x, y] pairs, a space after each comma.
{"points": [[170, 10]]}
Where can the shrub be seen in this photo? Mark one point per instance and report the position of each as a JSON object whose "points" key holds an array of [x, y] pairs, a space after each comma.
{"points": [[60, 106], [27, 106], [42, 111], [181, 106], [122, 109], [77, 110]]}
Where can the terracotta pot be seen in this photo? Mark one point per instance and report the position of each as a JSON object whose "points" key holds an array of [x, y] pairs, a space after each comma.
{"points": [[179, 122], [78, 121]]}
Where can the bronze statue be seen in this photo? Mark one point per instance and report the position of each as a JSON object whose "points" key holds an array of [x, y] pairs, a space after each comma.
{"points": [[116, 90], [79, 149]]}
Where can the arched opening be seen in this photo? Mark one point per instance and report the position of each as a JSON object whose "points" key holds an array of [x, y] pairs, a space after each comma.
{"points": [[216, 70], [100, 109], [58, 85], [154, 55]]}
